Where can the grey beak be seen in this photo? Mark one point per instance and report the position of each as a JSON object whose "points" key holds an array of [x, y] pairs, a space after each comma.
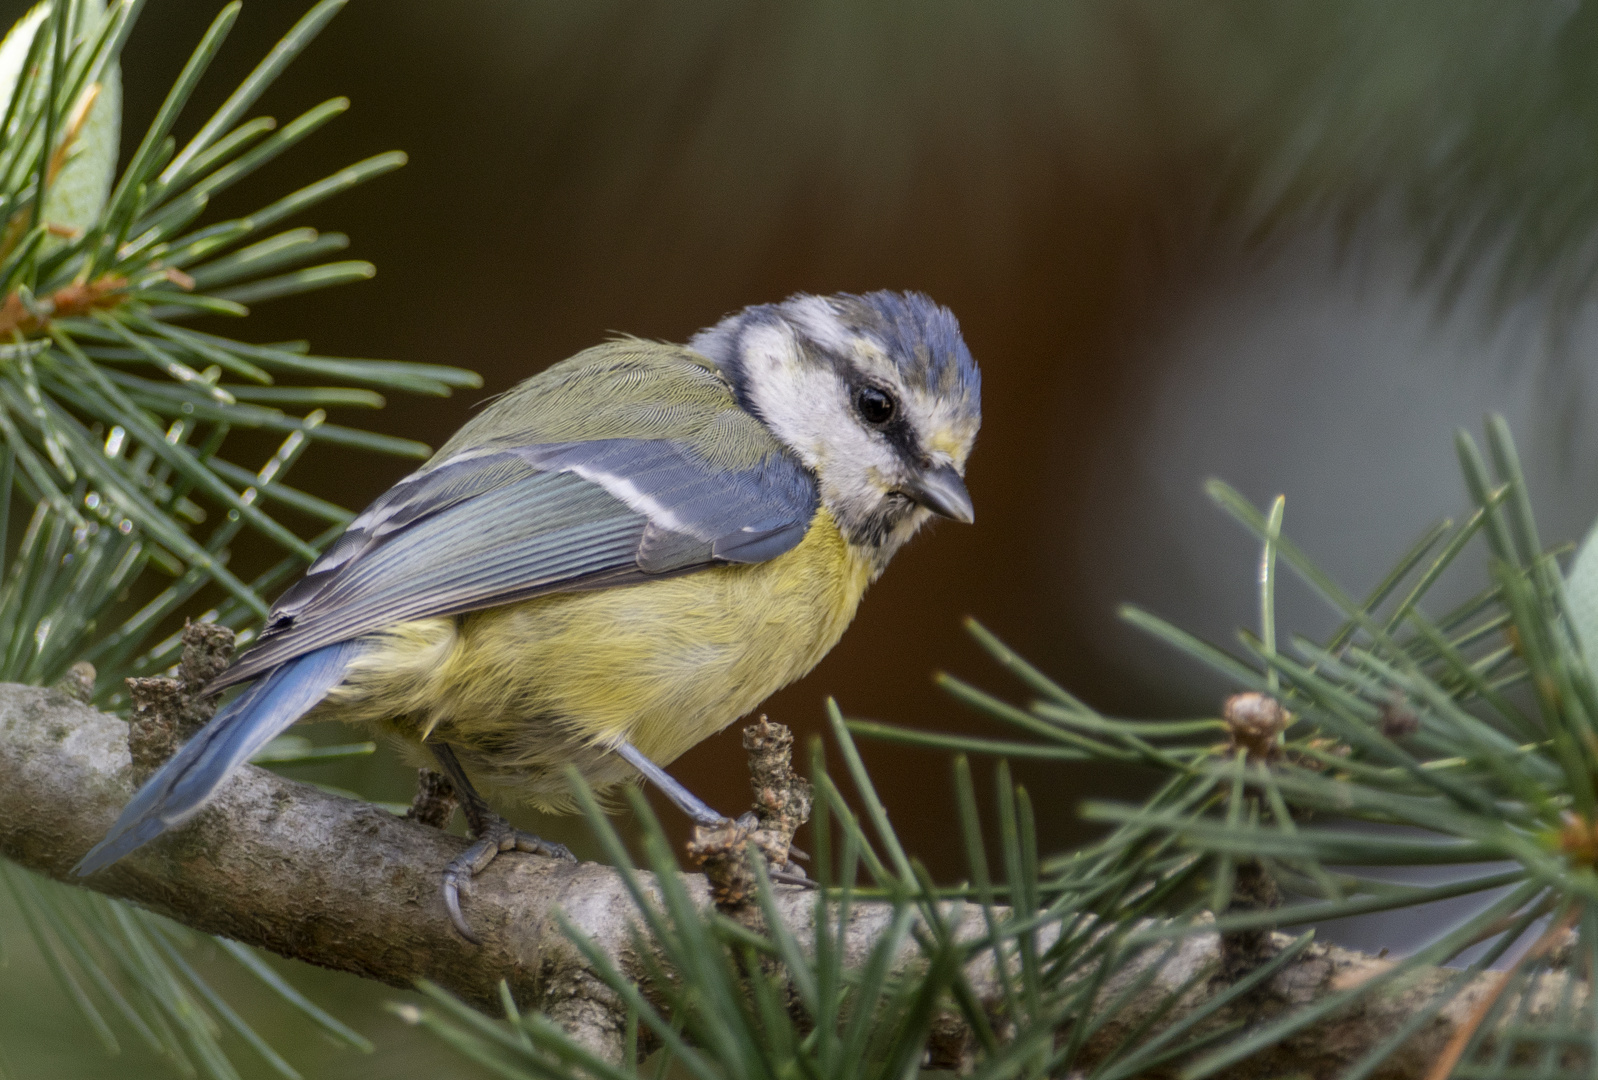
{"points": [[943, 492]]}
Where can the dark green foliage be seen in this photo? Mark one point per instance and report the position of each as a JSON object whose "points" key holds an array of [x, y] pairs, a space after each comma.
{"points": [[115, 416], [130, 975], [114, 420]]}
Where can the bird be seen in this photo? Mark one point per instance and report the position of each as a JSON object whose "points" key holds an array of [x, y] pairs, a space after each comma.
{"points": [[609, 563]]}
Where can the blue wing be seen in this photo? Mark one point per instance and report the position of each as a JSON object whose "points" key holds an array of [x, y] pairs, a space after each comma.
{"points": [[494, 525]]}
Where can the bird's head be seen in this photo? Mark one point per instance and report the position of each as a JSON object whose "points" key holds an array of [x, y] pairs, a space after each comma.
{"points": [[877, 395]]}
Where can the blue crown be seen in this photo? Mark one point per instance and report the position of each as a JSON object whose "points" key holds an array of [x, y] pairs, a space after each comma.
{"points": [[922, 337]]}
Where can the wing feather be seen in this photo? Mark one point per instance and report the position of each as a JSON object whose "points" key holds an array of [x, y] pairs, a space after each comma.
{"points": [[564, 521], [510, 509]]}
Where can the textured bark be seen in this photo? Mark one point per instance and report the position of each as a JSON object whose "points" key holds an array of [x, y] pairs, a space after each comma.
{"points": [[1325, 1050], [308, 875], [346, 885]]}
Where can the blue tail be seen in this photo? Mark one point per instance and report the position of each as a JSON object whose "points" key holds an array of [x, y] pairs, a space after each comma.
{"points": [[186, 782]]}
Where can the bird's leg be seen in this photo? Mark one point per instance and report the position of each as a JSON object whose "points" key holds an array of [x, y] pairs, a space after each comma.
{"points": [[700, 813], [696, 808], [492, 833]]}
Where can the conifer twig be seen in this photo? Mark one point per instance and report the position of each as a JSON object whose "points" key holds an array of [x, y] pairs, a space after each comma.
{"points": [[347, 885], [782, 804]]}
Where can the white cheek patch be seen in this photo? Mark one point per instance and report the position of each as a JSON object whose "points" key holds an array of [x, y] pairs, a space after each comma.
{"points": [[807, 406], [802, 404]]}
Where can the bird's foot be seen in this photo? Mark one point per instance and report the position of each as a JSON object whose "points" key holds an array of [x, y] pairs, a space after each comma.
{"points": [[794, 875], [719, 839], [493, 835]]}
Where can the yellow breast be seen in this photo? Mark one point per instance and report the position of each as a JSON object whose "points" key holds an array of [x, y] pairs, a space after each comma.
{"points": [[525, 689]]}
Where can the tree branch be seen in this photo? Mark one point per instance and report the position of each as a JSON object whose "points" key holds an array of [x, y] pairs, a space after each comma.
{"points": [[346, 885]]}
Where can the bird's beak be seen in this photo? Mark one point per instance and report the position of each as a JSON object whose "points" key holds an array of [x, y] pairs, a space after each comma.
{"points": [[943, 492]]}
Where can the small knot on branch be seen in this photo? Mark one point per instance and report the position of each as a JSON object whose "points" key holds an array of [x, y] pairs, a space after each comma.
{"points": [[207, 651], [78, 682], [1254, 723], [782, 796], [1398, 719], [1578, 839], [435, 800], [781, 805], [167, 712], [29, 314], [1253, 889], [721, 852]]}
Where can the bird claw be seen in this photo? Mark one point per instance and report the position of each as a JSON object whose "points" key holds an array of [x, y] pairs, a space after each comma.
{"points": [[496, 836], [789, 877], [452, 900]]}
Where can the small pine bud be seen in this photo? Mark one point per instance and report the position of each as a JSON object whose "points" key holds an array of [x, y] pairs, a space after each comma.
{"points": [[1254, 720], [1398, 719]]}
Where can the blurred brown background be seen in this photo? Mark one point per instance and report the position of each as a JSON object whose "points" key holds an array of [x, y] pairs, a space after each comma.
{"points": [[1058, 175], [1183, 241], [576, 172]]}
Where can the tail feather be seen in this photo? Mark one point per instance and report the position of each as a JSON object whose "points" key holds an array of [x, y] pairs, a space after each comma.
{"points": [[184, 784]]}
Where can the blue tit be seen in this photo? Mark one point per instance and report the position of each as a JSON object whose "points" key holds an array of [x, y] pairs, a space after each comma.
{"points": [[616, 559]]}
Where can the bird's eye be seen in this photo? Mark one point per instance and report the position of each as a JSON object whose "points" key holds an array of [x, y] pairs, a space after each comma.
{"points": [[876, 406]]}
